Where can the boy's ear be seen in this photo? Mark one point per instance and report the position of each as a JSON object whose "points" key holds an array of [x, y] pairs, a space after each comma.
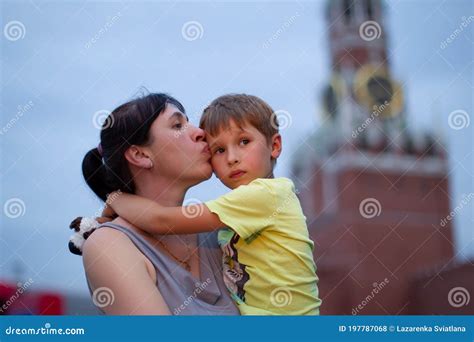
{"points": [[137, 157], [276, 145]]}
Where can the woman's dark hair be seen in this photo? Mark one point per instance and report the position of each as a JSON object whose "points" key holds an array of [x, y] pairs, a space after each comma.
{"points": [[127, 125]]}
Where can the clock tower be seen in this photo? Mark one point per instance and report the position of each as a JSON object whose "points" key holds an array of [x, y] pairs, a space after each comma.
{"points": [[362, 89], [374, 193]]}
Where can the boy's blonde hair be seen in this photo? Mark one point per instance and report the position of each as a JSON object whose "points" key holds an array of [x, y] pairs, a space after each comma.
{"points": [[242, 109]]}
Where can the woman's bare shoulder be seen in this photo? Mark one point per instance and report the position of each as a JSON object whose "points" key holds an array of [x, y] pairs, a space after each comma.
{"points": [[110, 241], [112, 260], [109, 247]]}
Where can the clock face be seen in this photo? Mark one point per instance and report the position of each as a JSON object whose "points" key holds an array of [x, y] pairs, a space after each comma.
{"points": [[380, 89], [375, 90]]}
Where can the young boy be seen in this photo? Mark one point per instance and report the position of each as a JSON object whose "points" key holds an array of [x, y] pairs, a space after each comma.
{"points": [[268, 260]]}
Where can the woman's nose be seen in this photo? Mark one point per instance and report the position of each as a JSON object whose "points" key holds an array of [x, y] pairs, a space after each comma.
{"points": [[198, 134]]}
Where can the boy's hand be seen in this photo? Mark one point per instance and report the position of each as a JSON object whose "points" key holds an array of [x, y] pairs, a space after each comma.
{"points": [[108, 212], [112, 197]]}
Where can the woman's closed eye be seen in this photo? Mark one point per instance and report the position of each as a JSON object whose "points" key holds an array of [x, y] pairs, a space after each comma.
{"points": [[178, 125]]}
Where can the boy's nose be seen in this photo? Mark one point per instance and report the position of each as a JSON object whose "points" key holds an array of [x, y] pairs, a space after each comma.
{"points": [[233, 161], [232, 158]]}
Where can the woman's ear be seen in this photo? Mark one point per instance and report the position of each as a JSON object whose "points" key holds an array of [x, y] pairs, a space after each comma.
{"points": [[276, 145], [136, 156]]}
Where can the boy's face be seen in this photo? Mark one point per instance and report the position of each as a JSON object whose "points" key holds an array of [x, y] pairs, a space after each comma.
{"points": [[240, 155]]}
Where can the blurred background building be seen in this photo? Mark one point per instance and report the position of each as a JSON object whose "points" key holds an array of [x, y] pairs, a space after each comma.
{"points": [[375, 192]]}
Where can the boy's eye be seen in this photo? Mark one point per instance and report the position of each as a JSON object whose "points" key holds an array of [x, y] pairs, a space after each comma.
{"points": [[244, 141], [218, 150]]}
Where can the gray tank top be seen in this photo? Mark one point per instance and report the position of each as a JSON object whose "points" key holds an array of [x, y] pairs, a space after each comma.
{"points": [[185, 294]]}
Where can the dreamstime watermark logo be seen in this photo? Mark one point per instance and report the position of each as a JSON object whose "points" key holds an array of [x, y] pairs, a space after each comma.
{"points": [[465, 200], [14, 30], [280, 297], [102, 119], [21, 110], [46, 330], [465, 22], [377, 288], [370, 30], [21, 288], [192, 208], [369, 208], [199, 287], [103, 30], [14, 208], [281, 119], [377, 110], [192, 30], [285, 26], [102, 297], [459, 296], [458, 119]]}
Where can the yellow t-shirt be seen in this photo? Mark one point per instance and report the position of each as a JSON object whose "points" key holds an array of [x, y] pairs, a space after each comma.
{"points": [[267, 253]]}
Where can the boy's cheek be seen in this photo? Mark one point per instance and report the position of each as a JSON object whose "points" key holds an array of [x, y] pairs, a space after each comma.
{"points": [[216, 167]]}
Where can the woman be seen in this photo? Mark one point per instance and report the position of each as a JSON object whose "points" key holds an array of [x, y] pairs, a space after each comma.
{"points": [[148, 148]]}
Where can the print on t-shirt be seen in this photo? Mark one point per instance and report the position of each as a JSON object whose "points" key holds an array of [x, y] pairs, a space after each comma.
{"points": [[235, 275]]}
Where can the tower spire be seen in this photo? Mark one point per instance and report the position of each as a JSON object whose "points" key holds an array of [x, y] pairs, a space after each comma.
{"points": [[371, 113]]}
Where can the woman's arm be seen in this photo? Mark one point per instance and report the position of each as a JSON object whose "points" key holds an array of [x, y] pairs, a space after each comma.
{"points": [[157, 219], [114, 264]]}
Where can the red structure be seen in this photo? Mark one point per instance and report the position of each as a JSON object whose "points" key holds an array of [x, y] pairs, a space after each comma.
{"points": [[19, 300], [374, 193]]}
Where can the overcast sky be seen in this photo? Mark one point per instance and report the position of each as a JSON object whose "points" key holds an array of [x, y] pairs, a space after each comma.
{"points": [[68, 61]]}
